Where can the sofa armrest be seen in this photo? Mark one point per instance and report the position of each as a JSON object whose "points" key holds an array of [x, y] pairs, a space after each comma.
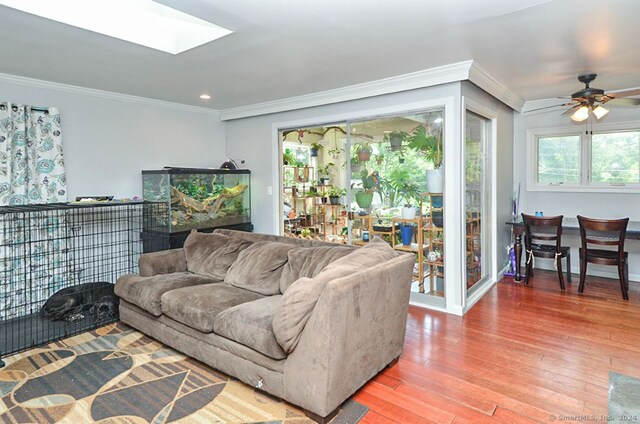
{"points": [[163, 262], [355, 330]]}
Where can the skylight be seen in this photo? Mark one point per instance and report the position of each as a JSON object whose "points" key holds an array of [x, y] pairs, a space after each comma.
{"points": [[143, 22]]}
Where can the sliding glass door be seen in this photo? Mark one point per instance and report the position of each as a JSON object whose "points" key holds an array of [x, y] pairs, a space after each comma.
{"points": [[477, 199]]}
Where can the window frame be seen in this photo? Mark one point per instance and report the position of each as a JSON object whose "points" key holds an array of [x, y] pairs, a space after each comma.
{"points": [[585, 136]]}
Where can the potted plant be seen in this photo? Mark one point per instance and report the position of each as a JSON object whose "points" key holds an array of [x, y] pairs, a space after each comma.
{"points": [[379, 159], [335, 151], [363, 150], [334, 194], [408, 211], [315, 147], [370, 184], [428, 140], [288, 158], [406, 233], [324, 171], [396, 138]]}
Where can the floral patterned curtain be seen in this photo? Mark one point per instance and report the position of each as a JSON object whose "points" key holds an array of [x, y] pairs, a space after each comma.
{"points": [[34, 245], [31, 160]]}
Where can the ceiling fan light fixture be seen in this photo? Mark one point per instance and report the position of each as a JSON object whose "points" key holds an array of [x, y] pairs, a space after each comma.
{"points": [[581, 114], [599, 112]]}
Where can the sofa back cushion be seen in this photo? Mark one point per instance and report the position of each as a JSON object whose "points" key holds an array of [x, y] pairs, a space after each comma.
{"points": [[259, 267], [212, 254], [309, 262], [301, 297], [255, 237]]}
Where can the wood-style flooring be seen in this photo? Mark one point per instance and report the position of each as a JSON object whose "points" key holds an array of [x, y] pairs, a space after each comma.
{"points": [[522, 354]]}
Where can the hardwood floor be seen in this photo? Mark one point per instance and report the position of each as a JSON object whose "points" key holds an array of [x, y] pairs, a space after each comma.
{"points": [[523, 354]]}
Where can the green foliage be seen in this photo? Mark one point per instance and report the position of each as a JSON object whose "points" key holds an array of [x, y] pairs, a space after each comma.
{"points": [[361, 147], [336, 192], [368, 182], [197, 189], [428, 142], [615, 158], [288, 158], [316, 146], [325, 170], [399, 187]]}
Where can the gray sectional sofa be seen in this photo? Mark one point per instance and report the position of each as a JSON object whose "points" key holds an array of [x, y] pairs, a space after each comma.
{"points": [[306, 321]]}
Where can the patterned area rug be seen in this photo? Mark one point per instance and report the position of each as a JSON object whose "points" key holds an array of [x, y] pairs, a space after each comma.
{"points": [[118, 375]]}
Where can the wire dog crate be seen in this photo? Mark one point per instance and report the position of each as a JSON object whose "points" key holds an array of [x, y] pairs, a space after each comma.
{"points": [[71, 254]]}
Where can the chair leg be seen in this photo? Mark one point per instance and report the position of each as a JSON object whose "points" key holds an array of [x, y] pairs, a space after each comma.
{"points": [[626, 273], [569, 267], [583, 274], [527, 273], [623, 283], [560, 277]]}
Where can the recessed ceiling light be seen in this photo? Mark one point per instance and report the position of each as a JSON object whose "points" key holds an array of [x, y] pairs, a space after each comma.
{"points": [[143, 22], [205, 97]]}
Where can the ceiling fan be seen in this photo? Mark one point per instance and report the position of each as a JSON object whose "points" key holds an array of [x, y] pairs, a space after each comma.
{"points": [[590, 100]]}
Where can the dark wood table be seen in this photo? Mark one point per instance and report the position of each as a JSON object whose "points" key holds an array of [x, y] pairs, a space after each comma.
{"points": [[569, 227]]}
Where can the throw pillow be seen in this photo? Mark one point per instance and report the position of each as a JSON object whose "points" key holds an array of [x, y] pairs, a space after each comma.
{"points": [[301, 297], [309, 262], [259, 267], [212, 254]]}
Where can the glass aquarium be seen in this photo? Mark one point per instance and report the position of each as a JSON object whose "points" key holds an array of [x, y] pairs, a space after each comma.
{"points": [[201, 198]]}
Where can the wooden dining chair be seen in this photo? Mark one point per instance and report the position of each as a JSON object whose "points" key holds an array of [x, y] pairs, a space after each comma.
{"points": [[604, 232], [543, 238]]}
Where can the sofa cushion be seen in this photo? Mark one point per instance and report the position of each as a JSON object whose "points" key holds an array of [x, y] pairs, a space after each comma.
{"points": [[259, 267], [146, 292], [300, 298], [198, 306], [250, 324], [212, 254], [308, 262]]}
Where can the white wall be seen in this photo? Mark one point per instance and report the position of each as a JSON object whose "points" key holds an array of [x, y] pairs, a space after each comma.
{"points": [[596, 205], [109, 139]]}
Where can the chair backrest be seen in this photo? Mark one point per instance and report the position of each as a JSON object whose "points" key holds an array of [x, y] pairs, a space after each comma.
{"points": [[542, 228], [603, 232]]}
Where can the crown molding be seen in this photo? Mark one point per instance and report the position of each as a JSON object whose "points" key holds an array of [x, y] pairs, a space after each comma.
{"points": [[420, 79], [480, 77], [48, 85], [460, 71]]}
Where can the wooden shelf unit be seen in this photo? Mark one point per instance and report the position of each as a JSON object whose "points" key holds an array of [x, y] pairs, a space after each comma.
{"points": [[311, 213], [427, 237]]}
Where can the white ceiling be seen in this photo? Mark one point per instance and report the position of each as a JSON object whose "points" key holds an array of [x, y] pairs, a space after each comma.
{"points": [[286, 48]]}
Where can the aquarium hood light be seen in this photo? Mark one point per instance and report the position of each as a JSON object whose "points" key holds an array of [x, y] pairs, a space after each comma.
{"points": [[143, 22]]}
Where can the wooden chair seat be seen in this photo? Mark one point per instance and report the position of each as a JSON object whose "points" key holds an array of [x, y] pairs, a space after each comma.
{"points": [[604, 232], [548, 251]]}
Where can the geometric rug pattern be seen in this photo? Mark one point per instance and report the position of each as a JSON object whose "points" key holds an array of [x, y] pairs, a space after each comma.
{"points": [[118, 375]]}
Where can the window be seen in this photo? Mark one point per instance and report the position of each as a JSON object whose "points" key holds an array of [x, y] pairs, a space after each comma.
{"points": [[602, 160]]}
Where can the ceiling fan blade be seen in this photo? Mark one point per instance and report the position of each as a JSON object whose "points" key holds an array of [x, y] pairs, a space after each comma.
{"points": [[623, 102], [548, 107], [571, 109], [624, 93]]}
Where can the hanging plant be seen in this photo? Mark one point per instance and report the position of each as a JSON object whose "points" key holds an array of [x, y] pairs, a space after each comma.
{"points": [[363, 151], [396, 138], [315, 147]]}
